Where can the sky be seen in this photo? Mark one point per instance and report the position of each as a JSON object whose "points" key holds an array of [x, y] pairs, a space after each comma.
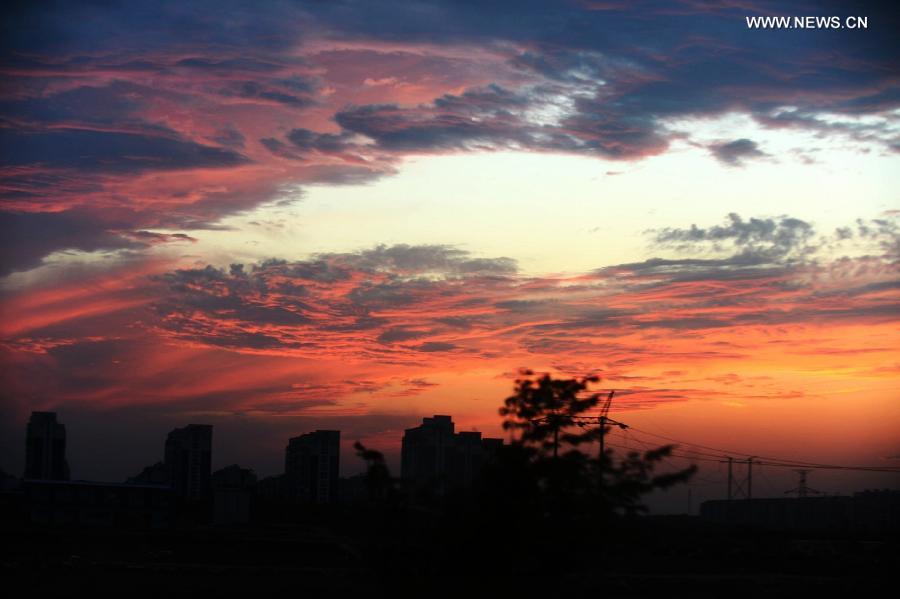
{"points": [[282, 216]]}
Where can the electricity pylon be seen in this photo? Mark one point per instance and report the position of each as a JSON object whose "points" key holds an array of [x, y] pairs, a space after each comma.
{"points": [[742, 488], [802, 490]]}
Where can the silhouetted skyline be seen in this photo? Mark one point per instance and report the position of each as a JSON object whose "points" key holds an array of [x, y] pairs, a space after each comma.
{"points": [[435, 459]]}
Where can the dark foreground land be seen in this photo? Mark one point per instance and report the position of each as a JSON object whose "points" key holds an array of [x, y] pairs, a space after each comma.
{"points": [[383, 554]]}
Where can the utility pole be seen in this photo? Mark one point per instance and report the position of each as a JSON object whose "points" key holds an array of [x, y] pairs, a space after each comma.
{"points": [[602, 437], [750, 478], [802, 490], [603, 421], [730, 477]]}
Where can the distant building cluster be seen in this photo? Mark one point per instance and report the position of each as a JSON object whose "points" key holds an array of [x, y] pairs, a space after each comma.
{"points": [[867, 511], [435, 460]]}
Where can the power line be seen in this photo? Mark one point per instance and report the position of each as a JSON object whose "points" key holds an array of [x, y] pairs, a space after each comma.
{"points": [[768, 460], [796, 465], [674, 455], [719, 458]]}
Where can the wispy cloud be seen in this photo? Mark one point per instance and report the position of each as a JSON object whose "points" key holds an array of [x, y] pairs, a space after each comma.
{"points": [[176, 118], [274, 336]]}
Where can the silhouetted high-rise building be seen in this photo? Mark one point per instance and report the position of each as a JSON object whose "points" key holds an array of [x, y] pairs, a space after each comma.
{"points": [[189, 461], [311, 467], [423, 455], [435, 458], [45, 448]]}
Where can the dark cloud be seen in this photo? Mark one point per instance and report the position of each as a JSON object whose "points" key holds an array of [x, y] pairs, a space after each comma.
{"points": [[307, 140], [497, 118], [230, 65], [260, 91], [230, 137], [574, 66], [395, 335], [109, 152], [118, 103], [344, 174], [743, 266], [734, 153], [759, 240], [877, 131], [399, 129], [435, 346], [279, 148], [32, 187], [522, 305], [493, 117], [411, 259], [885, 232], [26, 238], [84, 29], [491, 100]]}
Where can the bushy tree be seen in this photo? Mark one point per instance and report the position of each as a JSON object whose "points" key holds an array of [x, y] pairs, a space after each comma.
{"points": [[549, 416], [544, 410]]}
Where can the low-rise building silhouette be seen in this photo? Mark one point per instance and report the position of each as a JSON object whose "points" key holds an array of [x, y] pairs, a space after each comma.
{"points": [[353, 490], [233, 489], [156, 474], [45, 448], [86, 503], [868, 511], [271, 488], [435, 458], [312, 467], [8, 482]]}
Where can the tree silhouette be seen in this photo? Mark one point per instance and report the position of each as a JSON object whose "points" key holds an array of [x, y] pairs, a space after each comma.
{"points": [[547, 502], [551, 418], [378, 480], [543, 408]]}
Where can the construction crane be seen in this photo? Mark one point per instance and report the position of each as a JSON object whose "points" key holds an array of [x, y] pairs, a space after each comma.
{"points": [[605, 420]]}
